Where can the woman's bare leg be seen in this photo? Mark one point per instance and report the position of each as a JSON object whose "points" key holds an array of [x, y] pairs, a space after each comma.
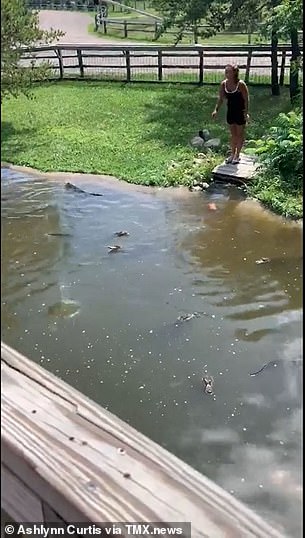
{"points": [[233, 140], [240, 138]]}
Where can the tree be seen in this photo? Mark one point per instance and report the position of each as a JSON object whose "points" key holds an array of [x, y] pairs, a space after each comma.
{"points": [[185, 15], [20, 29], [281, 17], [287, 20], [275, 87]]}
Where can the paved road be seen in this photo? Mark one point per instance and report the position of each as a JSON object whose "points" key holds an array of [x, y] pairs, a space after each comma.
{"points": [[75, 25]]}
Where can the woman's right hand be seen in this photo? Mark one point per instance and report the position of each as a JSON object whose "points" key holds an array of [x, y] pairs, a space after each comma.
{"points": [[214, 114]]}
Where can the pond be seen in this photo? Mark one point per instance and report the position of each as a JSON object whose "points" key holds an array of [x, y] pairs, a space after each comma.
{"points": [[107, 322]]}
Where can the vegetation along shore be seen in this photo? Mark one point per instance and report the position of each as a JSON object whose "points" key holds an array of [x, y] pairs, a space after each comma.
{"points": [[142, 134]]}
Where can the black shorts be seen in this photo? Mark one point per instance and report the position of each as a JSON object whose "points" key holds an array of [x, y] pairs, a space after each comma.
{"points": [[236, 118]]}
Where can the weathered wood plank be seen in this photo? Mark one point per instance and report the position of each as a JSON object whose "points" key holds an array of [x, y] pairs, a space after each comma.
{"points": [[245, 170], [88, 465], [18, 500]]}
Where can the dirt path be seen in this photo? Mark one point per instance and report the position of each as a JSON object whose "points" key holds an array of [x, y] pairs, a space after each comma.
{"points": [[75, 25]]}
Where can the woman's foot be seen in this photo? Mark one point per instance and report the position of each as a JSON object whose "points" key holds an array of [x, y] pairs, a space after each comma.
{"points": [[236, 160], [229, 160]]}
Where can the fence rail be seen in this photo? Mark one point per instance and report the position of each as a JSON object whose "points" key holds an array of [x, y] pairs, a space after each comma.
{"points": [[85, 5], [151, 29], [154, 63]]}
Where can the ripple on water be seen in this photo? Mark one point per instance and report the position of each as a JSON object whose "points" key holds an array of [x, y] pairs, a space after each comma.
{"points": [[179, 258]]}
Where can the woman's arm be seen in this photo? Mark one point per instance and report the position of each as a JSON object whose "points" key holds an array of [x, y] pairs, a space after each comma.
{"points": [[245, 94], [221, 97]]}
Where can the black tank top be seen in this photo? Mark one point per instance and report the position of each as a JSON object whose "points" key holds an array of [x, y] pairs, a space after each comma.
{"points": [[235, 99]]}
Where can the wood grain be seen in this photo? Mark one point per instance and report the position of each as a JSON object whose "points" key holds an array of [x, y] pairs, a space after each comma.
{"points": [[245, 170], [88, 465]]}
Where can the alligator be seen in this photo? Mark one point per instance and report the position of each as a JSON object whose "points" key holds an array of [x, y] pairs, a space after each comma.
{"points": [[208, 384], [121, 234], [60, 235], [262, 260], [188, 317], [71, 187], [296, 362], [114, 248]]}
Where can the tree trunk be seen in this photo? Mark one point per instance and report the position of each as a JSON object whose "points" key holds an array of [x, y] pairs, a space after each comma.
{"points": [[275, 87], [294, 66], [196, 33]]}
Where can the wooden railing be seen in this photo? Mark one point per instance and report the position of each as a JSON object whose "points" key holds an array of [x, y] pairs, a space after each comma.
{"points": [[138, 63], [151, 29], [65, 459], [85, 5]]}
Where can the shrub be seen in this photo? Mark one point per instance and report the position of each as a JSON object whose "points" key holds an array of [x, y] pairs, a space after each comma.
{"points": [[281, 149]]}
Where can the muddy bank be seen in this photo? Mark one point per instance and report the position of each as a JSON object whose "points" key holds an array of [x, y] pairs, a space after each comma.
{"points": [[245, 207]]}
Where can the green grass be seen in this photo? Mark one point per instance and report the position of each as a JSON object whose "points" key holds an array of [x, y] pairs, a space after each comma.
{"points": [[134, 132], [279, 196]]}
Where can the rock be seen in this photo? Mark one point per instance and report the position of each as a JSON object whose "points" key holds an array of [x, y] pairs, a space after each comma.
{"points": [[212, 143], [199, 186], [195, 188], [197, 142]]}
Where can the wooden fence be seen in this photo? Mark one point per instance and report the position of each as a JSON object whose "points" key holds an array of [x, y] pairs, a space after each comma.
{"points": [[85, 5], [127, 28], [138, 63], [65, 459]]}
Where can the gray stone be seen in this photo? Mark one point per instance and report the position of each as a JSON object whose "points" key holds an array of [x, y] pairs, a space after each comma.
{"points": [[212, 143], [204, 185], [197, 142], [196, 188]]}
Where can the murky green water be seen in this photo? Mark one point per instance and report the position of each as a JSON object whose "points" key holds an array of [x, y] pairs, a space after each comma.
{"points": [[106, 323]]}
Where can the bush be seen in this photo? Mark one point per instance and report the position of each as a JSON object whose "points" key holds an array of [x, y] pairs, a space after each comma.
{"points": [[281, 149], [279, 184]]}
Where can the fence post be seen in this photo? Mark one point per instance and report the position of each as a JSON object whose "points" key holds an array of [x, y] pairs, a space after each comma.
{"points": [[60, 64], [105, 27], [195, 35], [282, 72], [156, 29], [80, 62], [160, 65], [247, 75], [125, 29], [201, 66], [128, 71]]}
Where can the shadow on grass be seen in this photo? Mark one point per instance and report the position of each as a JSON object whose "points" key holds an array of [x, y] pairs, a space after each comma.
{"points": [[14, 141], [175, 120]]}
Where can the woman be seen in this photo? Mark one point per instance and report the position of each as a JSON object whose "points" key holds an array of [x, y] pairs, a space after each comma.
{"points": [[236, 93]]}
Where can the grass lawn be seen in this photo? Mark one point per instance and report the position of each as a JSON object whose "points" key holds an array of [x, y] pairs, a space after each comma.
{"points": [[133, 132]]}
